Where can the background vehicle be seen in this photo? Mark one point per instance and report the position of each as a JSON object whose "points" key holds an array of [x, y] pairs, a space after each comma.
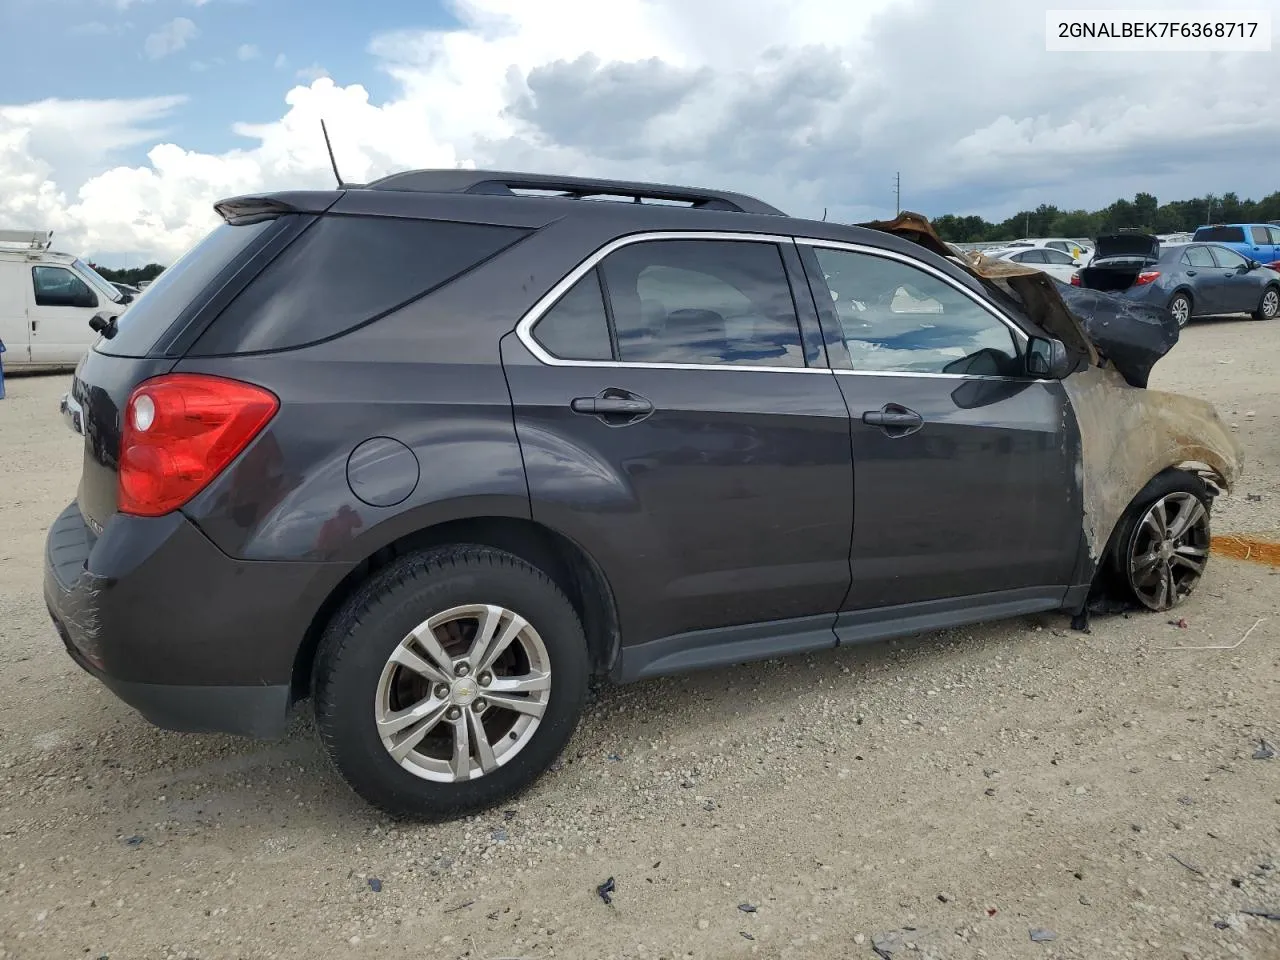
{"points": [[1193, 280], [1077, 249], [1253, 241], [453, 449], [46, 302], [128, 289], [1059, 265]]}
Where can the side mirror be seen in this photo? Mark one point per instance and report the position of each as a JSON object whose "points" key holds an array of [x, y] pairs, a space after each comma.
{"points": [[1048, 359], [1252, 265], [1075, 263]]}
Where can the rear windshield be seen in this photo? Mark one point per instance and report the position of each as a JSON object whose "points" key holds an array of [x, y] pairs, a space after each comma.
{"points": [[1220, 234], [345, 271], [152, 313]]}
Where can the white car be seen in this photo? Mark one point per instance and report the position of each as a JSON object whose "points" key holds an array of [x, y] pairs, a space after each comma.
{"points": [[47, 300], [1078, 249], [1059, 265]]}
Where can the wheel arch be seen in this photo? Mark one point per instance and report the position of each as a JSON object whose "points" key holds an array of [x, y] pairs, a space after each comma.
{"points": [[565, 561]]}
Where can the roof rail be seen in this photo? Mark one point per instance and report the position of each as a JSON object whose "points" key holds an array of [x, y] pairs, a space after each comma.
{"points": [[506, 184], [26, 241]]}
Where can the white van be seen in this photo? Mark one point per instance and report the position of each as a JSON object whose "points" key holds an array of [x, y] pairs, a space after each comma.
{"points": [[46, 302]]}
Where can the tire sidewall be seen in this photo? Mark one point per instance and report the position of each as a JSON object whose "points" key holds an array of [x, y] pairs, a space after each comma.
{"points": [[1190, 305], [355, 651], [1261, 312]]}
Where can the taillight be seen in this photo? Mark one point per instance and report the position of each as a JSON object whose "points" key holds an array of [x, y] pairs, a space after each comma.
{"points": [[1145, 277], [180, 431], [1075, 279]]}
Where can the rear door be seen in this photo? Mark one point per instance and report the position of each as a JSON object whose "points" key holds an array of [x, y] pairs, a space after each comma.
{"points": [[1260, 247], [1241, 287], [60, 308], [678, 421], [14, 330], [1058, 264], [1206, 279], [964, 490], [1274, 234]]}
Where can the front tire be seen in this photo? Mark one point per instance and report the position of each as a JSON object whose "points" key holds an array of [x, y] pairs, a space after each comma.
{"points": [[1269, 305], [1162, 542], [1180, 307], [450, 682]]}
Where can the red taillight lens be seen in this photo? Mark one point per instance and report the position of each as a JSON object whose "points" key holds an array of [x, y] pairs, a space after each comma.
{"points": [[1075, 279], [1145, 277], [180, 431]]}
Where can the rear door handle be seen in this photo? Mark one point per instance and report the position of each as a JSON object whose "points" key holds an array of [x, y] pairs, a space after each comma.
{"points": [[1191, 273], [894, 419], [611, 406]]}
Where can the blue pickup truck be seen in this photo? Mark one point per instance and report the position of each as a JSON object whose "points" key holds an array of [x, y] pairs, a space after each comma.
{"points": [[1255, 241]]}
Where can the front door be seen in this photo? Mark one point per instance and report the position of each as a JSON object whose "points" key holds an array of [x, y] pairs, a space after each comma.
{"points": [[1241, 287], [963, 466], [61, 307], [673, 425]]}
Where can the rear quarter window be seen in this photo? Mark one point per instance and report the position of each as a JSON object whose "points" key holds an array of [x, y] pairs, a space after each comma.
{"points": [[343, 272], [1220, 235]]}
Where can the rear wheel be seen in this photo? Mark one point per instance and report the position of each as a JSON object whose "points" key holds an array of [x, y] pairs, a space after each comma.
{"points": [[1162, 543], [1269, 305], [1180, 307], [450, 682]]}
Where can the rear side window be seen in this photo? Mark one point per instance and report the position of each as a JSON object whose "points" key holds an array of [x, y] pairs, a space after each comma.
{"points": [[1220, 234], [1198, 257], [343, 272], [706, 302], [1259, 234], [148, 317]]}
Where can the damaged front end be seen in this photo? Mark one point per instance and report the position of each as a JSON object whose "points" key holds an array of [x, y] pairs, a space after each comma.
{"points": [[1128, 433]]}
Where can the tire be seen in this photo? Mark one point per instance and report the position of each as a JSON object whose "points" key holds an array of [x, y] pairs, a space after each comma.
{"points": [[1269, 305], [357, 685], [1180, 306], [1137, 541]]}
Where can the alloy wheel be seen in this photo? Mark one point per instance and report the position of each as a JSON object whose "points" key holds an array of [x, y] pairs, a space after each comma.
{"points": [[463, 693], [1270, 304], [1168, 550], [1181, 310]]}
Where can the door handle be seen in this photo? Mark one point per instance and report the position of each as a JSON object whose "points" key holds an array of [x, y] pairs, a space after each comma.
{"points": [[611, 406], [1191, 273], [894, 419]]}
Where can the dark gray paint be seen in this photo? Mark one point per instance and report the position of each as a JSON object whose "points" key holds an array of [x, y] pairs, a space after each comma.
{"points": [[382, 472]]}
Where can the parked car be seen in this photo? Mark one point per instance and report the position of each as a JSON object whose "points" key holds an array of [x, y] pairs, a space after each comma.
{"points": [[128, 289], [47, 300], [1061, 266], [434, 452], [1253, 241], [1193, 279], [1077, 249]]}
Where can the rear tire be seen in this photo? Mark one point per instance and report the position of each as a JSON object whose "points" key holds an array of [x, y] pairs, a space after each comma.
{"points": [[1161, 547], [1180, 306], [417, 715], [1269, 305]]}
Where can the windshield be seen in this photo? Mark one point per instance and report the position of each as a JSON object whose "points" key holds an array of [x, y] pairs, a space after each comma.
{"points": [[105, 286]]}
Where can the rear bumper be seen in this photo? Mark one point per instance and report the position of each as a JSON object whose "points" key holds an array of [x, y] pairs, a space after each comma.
{"points": [[194, 640]]}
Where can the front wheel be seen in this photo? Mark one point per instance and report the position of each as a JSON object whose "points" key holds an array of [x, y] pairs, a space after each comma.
{"points": [[1269, 305], [450, 682], [1180, 307], [1162, 544]]}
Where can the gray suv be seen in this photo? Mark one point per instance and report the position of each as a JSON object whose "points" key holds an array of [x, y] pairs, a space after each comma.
{"points": [[436, 450]]}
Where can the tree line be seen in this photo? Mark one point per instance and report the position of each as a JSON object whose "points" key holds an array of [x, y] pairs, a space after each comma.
{"points": [[1144, 213], [130, 275]]}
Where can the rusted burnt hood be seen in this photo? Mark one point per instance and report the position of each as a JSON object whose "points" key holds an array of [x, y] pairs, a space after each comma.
{"points": [[1128, 434]]}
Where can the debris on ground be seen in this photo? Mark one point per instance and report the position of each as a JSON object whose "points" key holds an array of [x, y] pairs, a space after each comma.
{"points": [[134, 841], [1264, 914], [375, 884], [606, 890], [747, 907], [1265, 751], [1190, 866], [461, 906], [1040, 935], [508, 815], [1180, 623], [745, 935]]}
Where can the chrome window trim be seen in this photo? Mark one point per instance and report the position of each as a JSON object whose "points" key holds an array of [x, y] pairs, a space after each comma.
{"points": [[524, 329], [1020, 335]]}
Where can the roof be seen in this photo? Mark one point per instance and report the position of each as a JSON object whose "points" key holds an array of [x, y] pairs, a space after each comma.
{"points": [[509, 184]]}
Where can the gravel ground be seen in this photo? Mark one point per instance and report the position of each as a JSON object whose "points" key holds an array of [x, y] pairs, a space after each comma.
{"points": [[965, 794]]}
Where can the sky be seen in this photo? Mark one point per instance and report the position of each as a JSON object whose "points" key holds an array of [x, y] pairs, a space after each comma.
{"points": [[122, 121]]}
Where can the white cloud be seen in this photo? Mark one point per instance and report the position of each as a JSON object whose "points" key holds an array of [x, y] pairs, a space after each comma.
{"points": [[170, 38], [247, 51], [806, 103]]}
